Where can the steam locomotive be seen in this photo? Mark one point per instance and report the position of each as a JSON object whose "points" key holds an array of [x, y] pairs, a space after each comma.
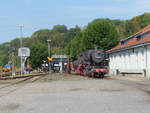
{"points": [[92, 63]]}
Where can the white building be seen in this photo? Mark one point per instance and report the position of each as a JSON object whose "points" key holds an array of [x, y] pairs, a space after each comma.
{"points": [[132, 55]]}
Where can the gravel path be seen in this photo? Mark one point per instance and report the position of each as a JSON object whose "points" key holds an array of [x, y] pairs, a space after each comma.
{"points": [[75, 94]]}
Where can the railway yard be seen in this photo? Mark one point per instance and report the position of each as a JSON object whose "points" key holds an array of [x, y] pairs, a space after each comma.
{"points": [[81, 56], [64, 93]]}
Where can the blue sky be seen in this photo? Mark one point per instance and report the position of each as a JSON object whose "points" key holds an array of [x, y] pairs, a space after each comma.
{"points": [[43, 14]]}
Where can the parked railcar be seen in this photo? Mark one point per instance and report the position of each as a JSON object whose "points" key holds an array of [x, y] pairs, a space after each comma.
{"points": [[6, 68]]}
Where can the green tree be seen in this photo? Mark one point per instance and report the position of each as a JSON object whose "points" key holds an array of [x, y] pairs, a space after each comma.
{"points": [[72, 32], [75, 46], [3, 59], [4, 53], [100, 33], [41, 36], [60, 28], [39, 53]]}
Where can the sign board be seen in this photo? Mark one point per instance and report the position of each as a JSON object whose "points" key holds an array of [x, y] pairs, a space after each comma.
{"points": [[24, 52], [59, 56], [56, 64], [45, 65]]}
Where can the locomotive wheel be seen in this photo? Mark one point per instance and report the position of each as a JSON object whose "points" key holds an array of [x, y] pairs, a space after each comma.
{"points": [[96, 75], [101, 75]]}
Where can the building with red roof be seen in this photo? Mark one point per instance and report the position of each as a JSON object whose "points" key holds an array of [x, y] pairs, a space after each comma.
{"points": [[132, 55]]}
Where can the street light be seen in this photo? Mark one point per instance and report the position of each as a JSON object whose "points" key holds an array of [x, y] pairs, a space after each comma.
{"points": [[49, 54]]}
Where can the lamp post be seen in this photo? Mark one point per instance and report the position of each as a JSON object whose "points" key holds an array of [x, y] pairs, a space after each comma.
{"points": [[49, 54]]}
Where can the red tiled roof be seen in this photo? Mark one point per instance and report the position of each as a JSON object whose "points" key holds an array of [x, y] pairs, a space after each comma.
{"points": [[145, 29], [134, 40]]}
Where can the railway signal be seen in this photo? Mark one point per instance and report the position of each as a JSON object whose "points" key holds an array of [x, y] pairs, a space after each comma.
{"points": [[49, 58]]}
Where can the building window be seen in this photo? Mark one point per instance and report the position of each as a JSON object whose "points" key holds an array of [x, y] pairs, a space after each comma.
{"points": [[138, 38], [122, 42], [133, 50]]}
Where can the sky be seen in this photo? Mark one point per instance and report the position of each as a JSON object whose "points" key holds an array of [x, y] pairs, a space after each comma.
{"points": [[44, 14]]}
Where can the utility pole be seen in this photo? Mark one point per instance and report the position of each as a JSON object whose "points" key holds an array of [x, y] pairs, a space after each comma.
{"points": [[49, 54], [21, 36], [13, 62]]}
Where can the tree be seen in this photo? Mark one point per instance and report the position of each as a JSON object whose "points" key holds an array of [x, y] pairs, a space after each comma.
{"points": [[4, 53], [41, 36], [75, 46], [39, 53], [4, 59], [72, 32], [60, 28], [100, 33]]}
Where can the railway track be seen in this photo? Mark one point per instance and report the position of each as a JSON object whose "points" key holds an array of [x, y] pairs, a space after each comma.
{"points": [[12, 87], [7, 76]]}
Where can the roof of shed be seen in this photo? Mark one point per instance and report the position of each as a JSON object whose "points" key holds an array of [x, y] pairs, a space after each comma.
{"points": [[133, 40]]}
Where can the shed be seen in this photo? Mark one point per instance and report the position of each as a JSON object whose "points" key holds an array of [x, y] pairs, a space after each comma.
{"points": [[132, 55]]}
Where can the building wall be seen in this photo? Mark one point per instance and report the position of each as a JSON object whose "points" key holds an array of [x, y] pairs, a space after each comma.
{"points": [[148, 61], [131, 60]]}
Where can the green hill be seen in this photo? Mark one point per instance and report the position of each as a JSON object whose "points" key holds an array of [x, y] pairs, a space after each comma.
{"points": [[131, 26]]}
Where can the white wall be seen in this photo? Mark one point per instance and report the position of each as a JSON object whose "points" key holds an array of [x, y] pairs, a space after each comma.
{"points": [[148, 61], [131, 60]]}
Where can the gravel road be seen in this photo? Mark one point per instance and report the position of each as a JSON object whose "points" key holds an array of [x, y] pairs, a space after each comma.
{"points": [[59, 93]]}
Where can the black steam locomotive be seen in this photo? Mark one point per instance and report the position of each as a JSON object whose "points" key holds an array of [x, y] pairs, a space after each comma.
{"points": [[92, 63]]}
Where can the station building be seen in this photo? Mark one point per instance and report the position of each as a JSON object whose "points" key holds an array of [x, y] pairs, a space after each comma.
{"points": [[132, 55], [59, 63]]}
